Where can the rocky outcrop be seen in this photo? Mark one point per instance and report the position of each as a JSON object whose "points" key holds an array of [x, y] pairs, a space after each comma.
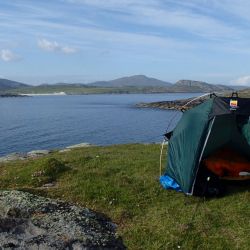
{"points": [[175, 105], [23, 156], [32, 222], [36, 153], [13, 157]]}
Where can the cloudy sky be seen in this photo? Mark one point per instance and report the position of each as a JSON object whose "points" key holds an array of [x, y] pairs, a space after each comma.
{"points": [[88, 40]]}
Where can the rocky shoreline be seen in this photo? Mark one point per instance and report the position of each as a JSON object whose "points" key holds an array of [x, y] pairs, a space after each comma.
{"points": [[172, 105], [39, 153]]}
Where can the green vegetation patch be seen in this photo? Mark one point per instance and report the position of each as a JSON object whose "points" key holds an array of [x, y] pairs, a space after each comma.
{"points": [[122, 182], [47, 170]]}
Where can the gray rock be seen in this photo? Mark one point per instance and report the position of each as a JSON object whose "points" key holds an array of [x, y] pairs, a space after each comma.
{"points": [[48, 185], [64, 150], [13, 157], [32, 222], [80, 145], [36, 153]]}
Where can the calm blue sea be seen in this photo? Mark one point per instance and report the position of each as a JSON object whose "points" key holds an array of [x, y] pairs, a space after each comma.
{"points": [[48, 122]]}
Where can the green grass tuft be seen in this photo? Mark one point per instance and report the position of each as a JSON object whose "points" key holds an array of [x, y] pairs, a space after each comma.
{"points": [[48, 170]]}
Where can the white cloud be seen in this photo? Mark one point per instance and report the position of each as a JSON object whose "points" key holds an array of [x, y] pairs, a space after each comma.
{"points": [[68, 50], [182, 16], [113, 40], [244, 80], [54, 46], [114, 4], [47, 45], [173, 16], [8, 56]]}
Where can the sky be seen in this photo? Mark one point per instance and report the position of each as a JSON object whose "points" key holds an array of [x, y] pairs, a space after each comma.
{"points": [[82, 41]]}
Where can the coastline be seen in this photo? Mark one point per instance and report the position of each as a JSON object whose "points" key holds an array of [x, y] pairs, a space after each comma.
{"points": [[46, 94], [15, 156], [41, 152]]}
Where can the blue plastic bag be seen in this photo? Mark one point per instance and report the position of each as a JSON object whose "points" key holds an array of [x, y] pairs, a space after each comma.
{"points": [[169, 183]]}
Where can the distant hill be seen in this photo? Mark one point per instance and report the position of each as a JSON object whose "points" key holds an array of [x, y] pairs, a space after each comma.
{"points": [[124, 85], [6, 84], [141, 81], [245, 92], [238, 87], [198, 86], [132, 81]]}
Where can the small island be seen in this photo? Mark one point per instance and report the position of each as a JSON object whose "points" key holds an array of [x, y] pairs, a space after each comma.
{"points": [[5, 95], [185, 104], [172, 105]]}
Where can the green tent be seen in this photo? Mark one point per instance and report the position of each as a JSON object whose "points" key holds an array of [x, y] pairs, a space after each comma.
{"points": [[201, 131]]}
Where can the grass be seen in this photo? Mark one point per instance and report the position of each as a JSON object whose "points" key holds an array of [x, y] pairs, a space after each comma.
{"points": [[122, 182]]}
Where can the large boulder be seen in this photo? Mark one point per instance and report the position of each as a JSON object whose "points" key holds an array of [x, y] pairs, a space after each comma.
{"points": [[32, 222]]}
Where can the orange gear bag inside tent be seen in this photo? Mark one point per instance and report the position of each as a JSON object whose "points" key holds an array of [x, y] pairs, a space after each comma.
{"points": [[227, 163]]}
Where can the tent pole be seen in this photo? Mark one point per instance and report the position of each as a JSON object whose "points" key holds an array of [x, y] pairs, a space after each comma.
{"points": [[162, 145], [202, 152]]}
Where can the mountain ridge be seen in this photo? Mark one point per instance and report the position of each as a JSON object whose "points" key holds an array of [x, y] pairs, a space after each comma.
{"points": [[128, 84], [6, 84], [192, 85], [135, 80]]}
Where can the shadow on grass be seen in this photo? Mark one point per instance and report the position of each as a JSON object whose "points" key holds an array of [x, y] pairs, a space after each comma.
{"points": [[234, 187]]}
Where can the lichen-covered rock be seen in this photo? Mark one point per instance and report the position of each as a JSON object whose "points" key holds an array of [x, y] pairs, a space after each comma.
{"points": [[32, 222]]}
